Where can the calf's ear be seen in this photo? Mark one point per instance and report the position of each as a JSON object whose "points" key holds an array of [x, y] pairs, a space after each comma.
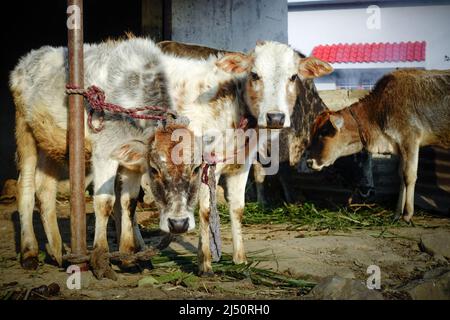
{"points": [[235, 62], [132, 155], [312, 67], [337, 121]]}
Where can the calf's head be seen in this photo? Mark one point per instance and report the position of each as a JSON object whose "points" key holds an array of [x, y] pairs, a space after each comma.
{"points": [[272, 70], [174, 183], [334, 135]]}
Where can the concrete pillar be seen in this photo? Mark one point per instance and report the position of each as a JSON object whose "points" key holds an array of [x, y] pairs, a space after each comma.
{"points": [[228, 24]]}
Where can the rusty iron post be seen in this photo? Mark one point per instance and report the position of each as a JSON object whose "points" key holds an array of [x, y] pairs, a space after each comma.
{"points": [[76, 128]]}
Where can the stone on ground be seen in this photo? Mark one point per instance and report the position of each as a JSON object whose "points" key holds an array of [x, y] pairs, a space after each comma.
{"points": [[435, 285], [436, 243], [338, 288]]}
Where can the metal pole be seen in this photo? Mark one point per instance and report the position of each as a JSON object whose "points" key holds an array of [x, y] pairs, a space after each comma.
{"points": [[76, 128]]}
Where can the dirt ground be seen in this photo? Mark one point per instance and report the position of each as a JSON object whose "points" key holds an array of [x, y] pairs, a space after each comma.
{"points": [[294, 253]]}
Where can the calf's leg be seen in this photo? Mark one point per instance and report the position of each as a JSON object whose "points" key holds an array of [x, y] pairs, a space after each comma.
{"points": [[259, 176], [138, 239], [130, 185], [236, 198], [27, 161], [402, 191], [410, 164], [46, 189], [104, 170], [104, 176], [283, 177], [204, 251]]}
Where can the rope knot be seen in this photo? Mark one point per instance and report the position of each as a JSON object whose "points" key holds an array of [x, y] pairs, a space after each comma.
{"points": [[96, 98]]}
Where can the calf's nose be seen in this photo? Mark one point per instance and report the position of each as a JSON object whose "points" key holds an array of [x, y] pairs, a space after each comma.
{"points": [[309, 163], [178, 225], [275, 119]]}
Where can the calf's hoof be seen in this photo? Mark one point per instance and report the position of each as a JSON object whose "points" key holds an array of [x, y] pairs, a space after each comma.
{"points": [[206, 274], [30, 263], [240, 259], [129, 266], [101, 267], [409, 221], [55, 254]]}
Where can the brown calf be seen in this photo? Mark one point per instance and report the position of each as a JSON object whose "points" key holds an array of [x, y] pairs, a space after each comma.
{"points": [[407, 109]]}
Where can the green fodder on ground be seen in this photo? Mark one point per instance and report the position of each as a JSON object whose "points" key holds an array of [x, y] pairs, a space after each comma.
{"points": [[181, 270], [308, 217]]}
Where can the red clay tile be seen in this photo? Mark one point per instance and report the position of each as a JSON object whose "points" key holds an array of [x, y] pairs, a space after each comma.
{"points": [[371, 52]]}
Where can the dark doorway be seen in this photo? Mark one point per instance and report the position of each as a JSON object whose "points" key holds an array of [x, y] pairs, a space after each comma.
{"points": [[30, 25]]}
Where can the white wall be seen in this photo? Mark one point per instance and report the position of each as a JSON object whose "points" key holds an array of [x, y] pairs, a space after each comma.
{"points": [[431, 23], [229, 24]]}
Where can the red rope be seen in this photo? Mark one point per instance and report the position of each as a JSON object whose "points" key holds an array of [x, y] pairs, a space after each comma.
{"points": [[96, 98], [97, 101]]}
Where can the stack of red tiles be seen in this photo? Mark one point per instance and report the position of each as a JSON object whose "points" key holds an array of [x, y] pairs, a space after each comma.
{"points": [[371, 52]]}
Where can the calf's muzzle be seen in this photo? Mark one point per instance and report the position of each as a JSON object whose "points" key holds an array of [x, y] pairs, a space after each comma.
{"points": [[275, 120], [178, 225]]}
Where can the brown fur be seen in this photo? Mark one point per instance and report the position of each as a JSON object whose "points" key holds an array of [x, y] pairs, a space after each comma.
{"points": [[406, 110], [291, 96], [204, 252], [49, 137], [239, 213], [164, 144], [105, 208], [26, 159], [254, 96], [307, 107], [235, 62], [320, 121], [311, 67], [26, 146], [188, 50], [408, 101], [404, 94], [226, 91]]}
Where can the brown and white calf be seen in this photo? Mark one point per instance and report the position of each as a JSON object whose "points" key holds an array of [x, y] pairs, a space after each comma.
{"points": [[213, 94], [131, 74], [406, 110], [263, 87], [294, 139]]}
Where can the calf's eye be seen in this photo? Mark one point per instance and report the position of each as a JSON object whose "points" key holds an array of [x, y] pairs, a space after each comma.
{"points": [[154, 171], [254, 76], [196, 170], [293, 77]]}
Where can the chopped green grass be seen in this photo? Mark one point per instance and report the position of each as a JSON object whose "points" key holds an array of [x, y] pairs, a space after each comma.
{"points": [[308, 217], [180, 270]]}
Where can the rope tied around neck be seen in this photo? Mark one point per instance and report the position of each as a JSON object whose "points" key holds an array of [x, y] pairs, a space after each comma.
{"points": [[360, 128], [97, 104], [208, 177]]}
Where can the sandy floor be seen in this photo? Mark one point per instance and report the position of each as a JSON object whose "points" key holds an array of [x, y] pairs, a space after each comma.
{"points": [[310, 256]]}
